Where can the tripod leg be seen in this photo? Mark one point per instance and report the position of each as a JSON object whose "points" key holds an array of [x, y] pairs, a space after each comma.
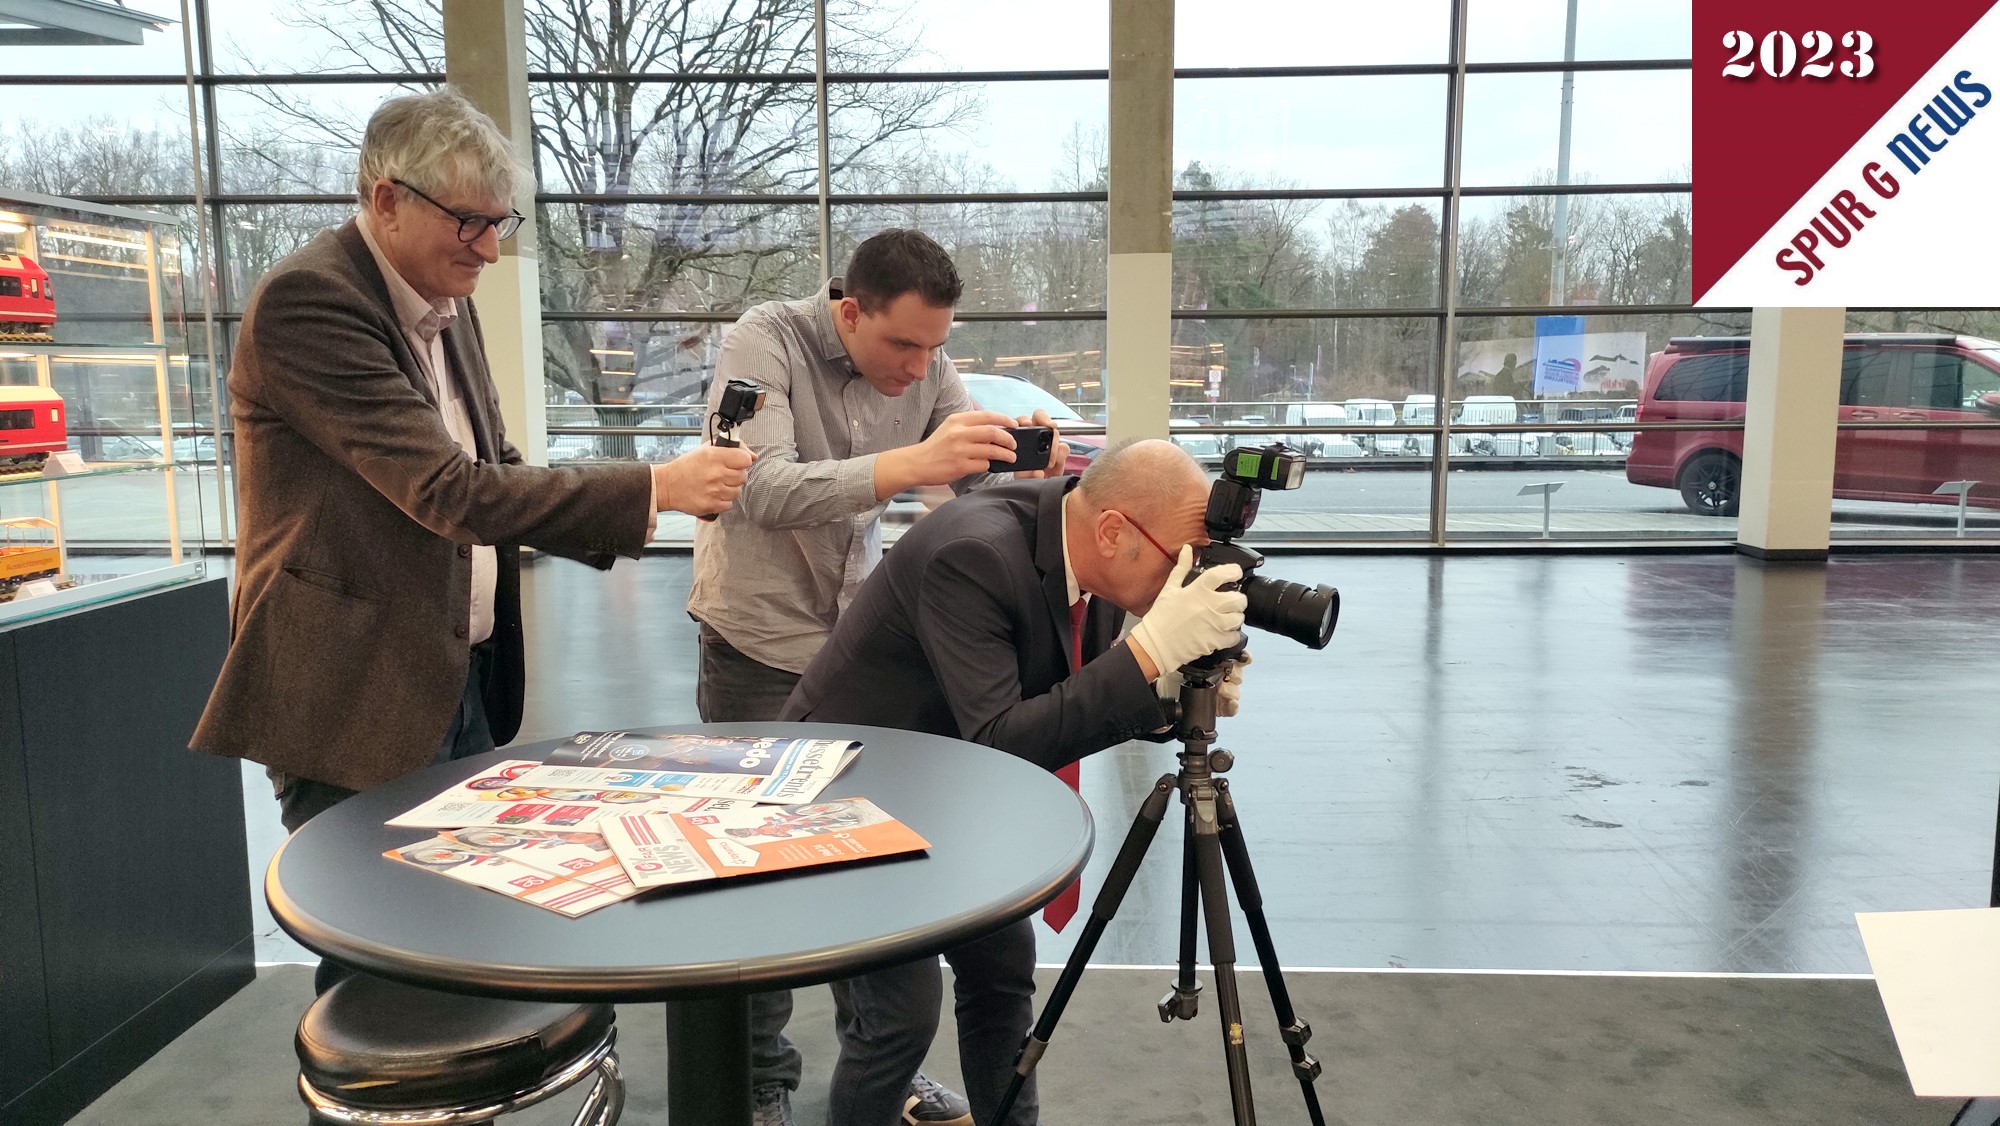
{"points": [[1222, 955], [1294, 1031], [1184, 1001], [1116, 882]]}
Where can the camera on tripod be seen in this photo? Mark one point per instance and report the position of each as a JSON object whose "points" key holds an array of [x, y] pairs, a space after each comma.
{"points": [[1288, 609]]}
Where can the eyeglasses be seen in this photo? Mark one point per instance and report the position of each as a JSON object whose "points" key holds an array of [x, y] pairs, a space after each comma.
{"points": [[471, 224], [1172, 557]]}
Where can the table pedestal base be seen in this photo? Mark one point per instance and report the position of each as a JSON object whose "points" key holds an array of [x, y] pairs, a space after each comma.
{"points": [[708, 1061]]}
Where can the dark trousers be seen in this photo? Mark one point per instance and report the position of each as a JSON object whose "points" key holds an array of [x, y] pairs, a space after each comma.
{"points": [[889, 1018], [733, 688], [302, 799]]}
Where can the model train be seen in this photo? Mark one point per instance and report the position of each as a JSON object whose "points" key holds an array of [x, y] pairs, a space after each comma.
{"points": [[27, 303], [31, 428], [27, 553]]}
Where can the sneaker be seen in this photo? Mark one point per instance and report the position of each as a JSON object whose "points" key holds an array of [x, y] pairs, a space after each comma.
{"points": [[931, 1103], [771, 1105]]}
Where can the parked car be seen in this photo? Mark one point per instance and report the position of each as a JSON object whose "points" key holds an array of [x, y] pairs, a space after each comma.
{"points": [[1499, 410], [1017, 397], [1419, 410], [197, 450], [1201, 444], [666, 447], [1888, 376], [1599, 443], [1374, 412], [1320, 445], [1627, 413]]}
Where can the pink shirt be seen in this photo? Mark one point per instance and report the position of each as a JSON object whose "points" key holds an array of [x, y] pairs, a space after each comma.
{"points": [[423, 324]]}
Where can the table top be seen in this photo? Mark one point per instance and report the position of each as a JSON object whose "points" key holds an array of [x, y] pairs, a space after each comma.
{"points": [[1006, 836]]}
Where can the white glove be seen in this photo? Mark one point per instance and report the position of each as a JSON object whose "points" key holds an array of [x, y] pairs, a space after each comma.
{"points": [[1228, 694], [1193, 620]]}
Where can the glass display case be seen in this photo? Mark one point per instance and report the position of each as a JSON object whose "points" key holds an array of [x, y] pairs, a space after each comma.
{"points": [[107, 434]]}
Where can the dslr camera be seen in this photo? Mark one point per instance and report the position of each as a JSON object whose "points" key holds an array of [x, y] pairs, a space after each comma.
{"points": [[1288, 609]]}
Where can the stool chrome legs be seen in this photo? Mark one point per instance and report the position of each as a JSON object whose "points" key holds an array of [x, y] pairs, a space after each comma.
{"points": [[601, 1107]]}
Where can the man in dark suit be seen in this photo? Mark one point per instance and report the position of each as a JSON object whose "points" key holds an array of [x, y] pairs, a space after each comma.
{"points": [[377, 624], [969, 628]]}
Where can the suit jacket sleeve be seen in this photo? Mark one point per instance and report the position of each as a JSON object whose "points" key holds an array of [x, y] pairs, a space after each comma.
{"points": [[327, 369], [967, 624]]}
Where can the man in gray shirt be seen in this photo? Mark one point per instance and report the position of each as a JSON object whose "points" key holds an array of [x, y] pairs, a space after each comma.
{"points": [[860, 404]]}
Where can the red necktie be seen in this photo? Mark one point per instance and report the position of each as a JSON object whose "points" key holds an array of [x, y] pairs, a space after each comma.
{"points": [[1063, 908]]}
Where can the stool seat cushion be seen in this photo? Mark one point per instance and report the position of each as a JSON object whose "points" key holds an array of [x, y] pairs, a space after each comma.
{"points": [[378, 1045]]}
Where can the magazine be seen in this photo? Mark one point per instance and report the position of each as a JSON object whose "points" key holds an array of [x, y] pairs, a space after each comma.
{"points": [[660, 848], [579, 882], [501, 798], [778, 771]]}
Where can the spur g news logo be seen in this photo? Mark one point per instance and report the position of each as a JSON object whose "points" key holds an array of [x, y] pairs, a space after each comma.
{"points": [[1842, 153]]}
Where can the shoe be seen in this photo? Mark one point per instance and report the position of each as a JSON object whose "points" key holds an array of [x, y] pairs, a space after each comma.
{"points": [[771, 1105], [931, 1103]]}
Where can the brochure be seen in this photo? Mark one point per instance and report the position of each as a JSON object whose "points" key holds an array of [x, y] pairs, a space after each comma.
{"points": [[661, 848], [503, 868], [761, 770], [501, 798]]}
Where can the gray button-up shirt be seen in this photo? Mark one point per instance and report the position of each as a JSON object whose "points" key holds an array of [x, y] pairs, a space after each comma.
{"points": [[775, 571]]}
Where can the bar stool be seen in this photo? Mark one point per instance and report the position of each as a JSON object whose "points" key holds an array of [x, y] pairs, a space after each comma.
{"points": [[373, 1052]]}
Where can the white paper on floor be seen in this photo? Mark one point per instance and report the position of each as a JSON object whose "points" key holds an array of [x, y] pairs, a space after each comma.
{"points": [[1939, 976]]}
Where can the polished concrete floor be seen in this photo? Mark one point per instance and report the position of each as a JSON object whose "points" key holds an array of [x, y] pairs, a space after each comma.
{"points": [[1582, 762]]}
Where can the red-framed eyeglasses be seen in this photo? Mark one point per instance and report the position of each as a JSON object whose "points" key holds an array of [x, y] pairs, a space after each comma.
{"points": [[1172, 557]]}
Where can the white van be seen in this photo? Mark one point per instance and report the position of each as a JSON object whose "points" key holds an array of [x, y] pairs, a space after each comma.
{"points": [[1319, 445], [1499, 410], [1419, 410], [1374, 412]]}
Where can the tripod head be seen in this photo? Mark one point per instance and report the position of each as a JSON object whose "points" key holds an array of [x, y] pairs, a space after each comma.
{"points": [[1193, 714]]}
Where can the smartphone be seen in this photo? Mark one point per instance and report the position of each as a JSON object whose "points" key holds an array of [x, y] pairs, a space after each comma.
{"points": [[1032, 447]]}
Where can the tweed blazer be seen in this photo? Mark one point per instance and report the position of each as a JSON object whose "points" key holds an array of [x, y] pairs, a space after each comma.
{"points": [[356, 519]]}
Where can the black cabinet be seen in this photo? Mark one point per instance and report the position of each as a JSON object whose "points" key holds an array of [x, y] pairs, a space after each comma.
{"points": [[124, 890]]}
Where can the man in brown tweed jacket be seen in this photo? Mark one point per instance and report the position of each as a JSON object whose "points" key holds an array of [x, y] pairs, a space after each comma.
{"points": [[377, 624]]}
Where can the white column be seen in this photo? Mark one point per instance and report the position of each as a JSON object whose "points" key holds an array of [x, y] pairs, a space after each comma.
{"points": [[1139, 290], [486, 59], [1793, 404]]}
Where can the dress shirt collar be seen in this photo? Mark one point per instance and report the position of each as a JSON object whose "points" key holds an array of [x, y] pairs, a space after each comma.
{"points": [[830, 347], [420, 318], [1069, 572]]}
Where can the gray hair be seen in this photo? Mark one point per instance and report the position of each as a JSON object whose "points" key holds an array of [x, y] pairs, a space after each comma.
{"points": [[441, 143]]}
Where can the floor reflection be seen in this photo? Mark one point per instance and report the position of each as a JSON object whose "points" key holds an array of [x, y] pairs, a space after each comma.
{"points": [[1666, 762]]}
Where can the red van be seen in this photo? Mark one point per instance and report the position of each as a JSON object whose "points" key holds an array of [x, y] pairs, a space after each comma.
{"points": [[1883, 376]]}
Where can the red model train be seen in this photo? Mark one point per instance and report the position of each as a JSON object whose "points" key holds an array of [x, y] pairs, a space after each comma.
{"points": [[27, 304], [31, 428]]}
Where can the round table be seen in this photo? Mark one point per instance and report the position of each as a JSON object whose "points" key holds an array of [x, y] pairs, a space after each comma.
{"points": [[1006, 836]]}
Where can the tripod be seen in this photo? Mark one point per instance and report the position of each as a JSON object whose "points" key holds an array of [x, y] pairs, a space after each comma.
{"points": [[1213, 842]]}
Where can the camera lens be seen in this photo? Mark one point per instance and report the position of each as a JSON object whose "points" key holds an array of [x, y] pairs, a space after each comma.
{"points": [[1306, 615]]}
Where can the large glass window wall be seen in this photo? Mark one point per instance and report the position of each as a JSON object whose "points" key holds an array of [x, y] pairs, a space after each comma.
{"points": [[1444, 290]]}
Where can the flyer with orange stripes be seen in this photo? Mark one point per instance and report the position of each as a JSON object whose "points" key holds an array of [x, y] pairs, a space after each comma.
{"points": [[658, 849]]}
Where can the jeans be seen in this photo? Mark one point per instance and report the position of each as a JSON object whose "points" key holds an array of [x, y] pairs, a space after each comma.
{"points": [[889, 1018], [733, 688], [302, 799]]}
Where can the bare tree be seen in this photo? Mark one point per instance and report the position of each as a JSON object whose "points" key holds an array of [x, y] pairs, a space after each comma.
{"points": [[619, 136]]}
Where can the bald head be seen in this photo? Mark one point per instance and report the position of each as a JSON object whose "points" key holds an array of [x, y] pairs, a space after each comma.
{"points": [[1137, 506], [1148, 478]]}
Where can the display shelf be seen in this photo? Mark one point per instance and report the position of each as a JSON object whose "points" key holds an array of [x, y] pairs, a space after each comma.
{"points": [[83, 352], [101, 469], [112, 384]]}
